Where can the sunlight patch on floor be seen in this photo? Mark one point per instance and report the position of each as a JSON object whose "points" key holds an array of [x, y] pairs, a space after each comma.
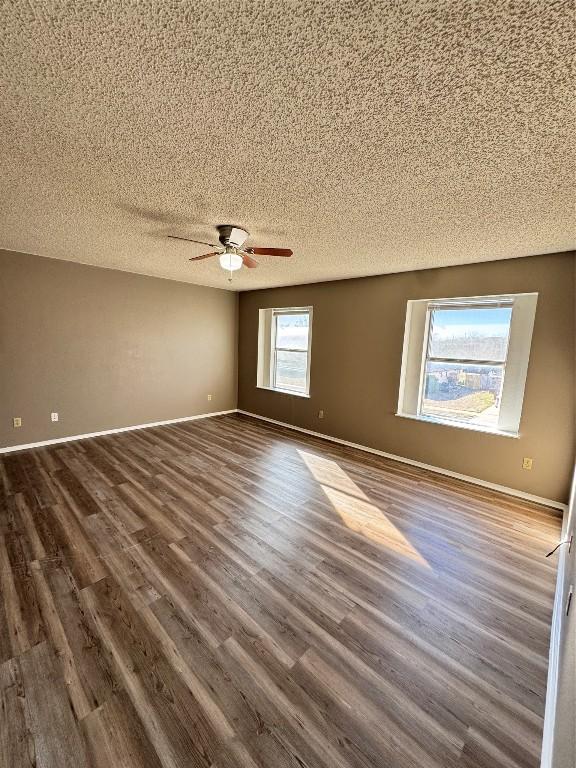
{"points": [[328, 472], [355, 508]]}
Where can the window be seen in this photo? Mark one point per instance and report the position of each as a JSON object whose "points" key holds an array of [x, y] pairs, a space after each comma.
{"points": [[465, 361], [284, 349], [291, 329]]}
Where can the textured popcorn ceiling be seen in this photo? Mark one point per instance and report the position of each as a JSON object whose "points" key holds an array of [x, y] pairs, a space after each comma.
{"points": [[369, 136]]}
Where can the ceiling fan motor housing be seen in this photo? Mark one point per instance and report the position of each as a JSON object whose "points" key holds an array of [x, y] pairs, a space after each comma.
{"points": [[230, 235]]}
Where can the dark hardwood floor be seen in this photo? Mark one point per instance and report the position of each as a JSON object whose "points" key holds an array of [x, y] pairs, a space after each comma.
{"points": [[224, 593]]}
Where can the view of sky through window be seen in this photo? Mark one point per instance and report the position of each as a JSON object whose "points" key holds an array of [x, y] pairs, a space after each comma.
{"points": [[292, 331], [472, 334]]}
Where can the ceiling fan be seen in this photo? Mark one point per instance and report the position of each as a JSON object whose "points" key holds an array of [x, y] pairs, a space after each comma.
{"points": [[234, 255]]}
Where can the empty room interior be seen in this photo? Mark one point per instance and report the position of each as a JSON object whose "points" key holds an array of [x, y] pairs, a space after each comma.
{"points": [[287, 384]]}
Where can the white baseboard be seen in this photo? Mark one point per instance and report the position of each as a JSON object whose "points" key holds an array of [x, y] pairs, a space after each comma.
{"points": [[56, 440], [402, 459], [439, 470]]}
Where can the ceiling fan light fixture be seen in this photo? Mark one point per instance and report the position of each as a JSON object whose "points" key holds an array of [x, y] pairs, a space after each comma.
{"points": [[230, 261]]}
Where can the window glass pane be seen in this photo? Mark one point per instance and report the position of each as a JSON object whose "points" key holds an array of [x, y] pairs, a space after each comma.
{"points": [[463, 392], [470, 333], [290, 372], [292, 331]]}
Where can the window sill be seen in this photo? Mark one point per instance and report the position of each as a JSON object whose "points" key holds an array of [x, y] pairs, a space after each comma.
{"points": [[284, 391], [460, 425]]}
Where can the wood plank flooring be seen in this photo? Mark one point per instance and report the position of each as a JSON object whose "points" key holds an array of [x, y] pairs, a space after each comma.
{"points": [[228, 594]]}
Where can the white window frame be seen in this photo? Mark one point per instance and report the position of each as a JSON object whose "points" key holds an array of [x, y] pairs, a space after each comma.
{"points": [[515, 366], [267, 349]]}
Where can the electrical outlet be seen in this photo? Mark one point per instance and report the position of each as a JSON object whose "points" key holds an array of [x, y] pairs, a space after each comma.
{"points": [[54, 417], [526, 462], [209, 397], [17, 422], [320, 414]]}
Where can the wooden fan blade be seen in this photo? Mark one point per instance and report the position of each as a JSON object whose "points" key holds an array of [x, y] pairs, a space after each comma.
{"points": [[270, 251], [248, 261], [205, 256], [188, 240]]}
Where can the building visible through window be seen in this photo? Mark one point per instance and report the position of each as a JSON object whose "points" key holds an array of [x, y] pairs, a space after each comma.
{"points": [[466, 363]]}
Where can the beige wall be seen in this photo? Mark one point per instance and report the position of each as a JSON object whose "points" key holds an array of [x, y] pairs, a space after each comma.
{"points": [[355, 370], [108, 349]]}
